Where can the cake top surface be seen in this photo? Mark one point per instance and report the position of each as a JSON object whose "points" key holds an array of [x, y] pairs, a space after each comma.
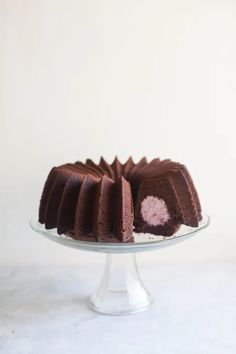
{"points": [[128, 170]]}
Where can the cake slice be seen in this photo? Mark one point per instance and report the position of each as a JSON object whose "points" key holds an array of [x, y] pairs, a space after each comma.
{"points": [[123, 214]]}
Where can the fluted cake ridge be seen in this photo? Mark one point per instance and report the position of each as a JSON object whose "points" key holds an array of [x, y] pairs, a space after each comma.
{"points": [[108, 202]]}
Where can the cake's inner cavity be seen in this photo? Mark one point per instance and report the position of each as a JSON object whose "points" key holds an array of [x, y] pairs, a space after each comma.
{"points": [[154, 211]]}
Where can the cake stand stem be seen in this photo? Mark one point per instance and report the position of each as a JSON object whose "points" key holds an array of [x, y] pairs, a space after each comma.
{"points": [[121, 290]]}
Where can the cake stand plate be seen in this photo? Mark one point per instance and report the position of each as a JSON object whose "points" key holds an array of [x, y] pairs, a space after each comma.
{"points": [[121, 290]]}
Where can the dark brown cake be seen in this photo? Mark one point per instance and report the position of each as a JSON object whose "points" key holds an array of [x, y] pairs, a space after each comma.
{"points": [[104, 202]]}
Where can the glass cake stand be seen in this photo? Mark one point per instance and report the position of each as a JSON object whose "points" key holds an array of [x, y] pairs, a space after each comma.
{"points": [[121, 290]]}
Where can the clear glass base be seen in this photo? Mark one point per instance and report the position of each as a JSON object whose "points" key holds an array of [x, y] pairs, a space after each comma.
{"points": [[121, 290]]}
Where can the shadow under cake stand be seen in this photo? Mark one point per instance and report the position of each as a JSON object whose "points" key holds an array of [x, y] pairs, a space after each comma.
{"points": [[121, 290]]}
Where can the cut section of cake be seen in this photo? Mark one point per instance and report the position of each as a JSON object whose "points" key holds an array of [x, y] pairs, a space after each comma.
{"points": [[166, 199], [157, 211], [123, 214]]}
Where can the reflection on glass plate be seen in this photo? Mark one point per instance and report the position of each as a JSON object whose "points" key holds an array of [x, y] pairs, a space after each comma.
{"points": [[142, 242]]}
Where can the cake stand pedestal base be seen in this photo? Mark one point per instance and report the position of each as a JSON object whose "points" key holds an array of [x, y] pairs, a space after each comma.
{"points": [[121, 290]]}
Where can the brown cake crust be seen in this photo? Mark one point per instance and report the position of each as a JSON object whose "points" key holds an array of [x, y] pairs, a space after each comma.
{"points": [[67, 207], [102, 211]]}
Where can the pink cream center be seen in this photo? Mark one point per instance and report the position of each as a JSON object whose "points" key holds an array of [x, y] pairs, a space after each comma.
{"points": [[154, 211]]}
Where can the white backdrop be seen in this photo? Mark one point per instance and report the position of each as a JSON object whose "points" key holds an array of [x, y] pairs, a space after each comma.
{"points": [[84, 78]]}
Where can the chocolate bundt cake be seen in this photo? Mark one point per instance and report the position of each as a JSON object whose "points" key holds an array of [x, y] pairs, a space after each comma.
{"points": [[107, 202]]}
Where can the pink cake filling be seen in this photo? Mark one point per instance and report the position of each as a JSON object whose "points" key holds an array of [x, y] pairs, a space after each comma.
{"points": [[154, 211]]}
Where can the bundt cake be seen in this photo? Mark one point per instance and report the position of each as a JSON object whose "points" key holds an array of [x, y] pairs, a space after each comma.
{"points": [[108, 202]]}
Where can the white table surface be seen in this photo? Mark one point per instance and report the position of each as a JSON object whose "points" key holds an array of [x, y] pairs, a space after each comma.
{"points": [[44, 310]]}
